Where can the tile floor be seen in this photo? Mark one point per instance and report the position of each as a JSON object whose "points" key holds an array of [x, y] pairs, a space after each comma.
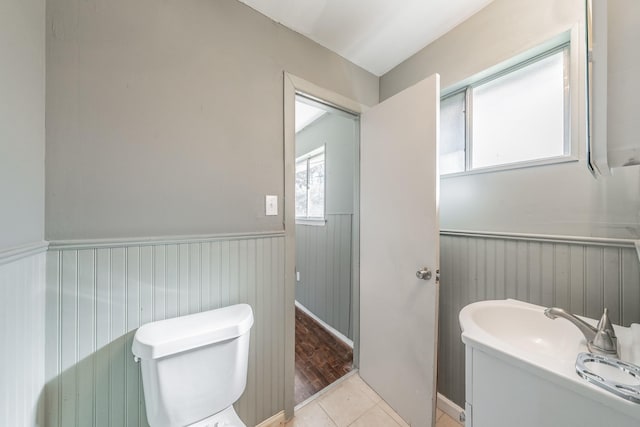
{"points": [[353, 403]]}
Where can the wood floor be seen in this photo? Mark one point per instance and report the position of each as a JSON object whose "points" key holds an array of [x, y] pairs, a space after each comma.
{"points": [[321, 358]]}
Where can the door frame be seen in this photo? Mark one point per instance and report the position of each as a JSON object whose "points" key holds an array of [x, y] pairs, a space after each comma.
{"points": [[294, 85]]}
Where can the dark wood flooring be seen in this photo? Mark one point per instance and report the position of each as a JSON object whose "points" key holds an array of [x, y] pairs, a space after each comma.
{"points": [[321, 358]]}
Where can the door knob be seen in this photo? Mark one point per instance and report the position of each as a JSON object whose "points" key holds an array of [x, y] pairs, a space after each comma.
{"points": [[424, 274]]}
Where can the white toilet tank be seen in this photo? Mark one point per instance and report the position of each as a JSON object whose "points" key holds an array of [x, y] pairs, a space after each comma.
{"points": [[193, 366]]}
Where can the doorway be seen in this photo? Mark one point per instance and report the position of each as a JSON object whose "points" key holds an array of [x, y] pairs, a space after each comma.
{"points": [[326, 169], [395, 313]]}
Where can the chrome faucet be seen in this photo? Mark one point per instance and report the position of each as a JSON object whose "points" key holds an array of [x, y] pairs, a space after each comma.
{"points": [[600, 340]]}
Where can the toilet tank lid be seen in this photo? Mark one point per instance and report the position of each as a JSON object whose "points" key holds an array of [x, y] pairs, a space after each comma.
{"points": [[171, 336]]}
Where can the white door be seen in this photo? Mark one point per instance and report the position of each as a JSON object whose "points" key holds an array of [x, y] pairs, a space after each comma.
{"points": [[399, 236]]}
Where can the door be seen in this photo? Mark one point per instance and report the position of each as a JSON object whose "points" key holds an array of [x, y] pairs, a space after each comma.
{"points": [[399, 236]]}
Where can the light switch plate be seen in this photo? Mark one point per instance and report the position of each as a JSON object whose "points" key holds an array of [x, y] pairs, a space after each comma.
{"points": [[271, 205]]}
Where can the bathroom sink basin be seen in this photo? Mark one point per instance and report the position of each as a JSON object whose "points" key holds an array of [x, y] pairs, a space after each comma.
{"points": [[515, 355], [521, 329]]}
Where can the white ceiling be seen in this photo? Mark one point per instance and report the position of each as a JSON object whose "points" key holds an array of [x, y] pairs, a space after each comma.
{"points": [[306, 114], [374, 34]]}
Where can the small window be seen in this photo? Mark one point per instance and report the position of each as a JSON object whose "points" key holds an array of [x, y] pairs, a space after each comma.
{"points": [[518, 117], [452, 133], [310, 185]]}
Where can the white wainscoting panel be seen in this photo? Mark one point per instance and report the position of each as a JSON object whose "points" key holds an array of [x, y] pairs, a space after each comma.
{"points": [[582, 277], [22, 341], [98, 297], [323, 258]]}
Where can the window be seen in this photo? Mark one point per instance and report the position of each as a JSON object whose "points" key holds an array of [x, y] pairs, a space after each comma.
{"points": [[452, 133], [310, 185], [518, 117]]}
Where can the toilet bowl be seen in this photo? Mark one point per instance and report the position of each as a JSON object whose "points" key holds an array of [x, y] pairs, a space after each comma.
{"points": [[226, 418], [195, 367]]}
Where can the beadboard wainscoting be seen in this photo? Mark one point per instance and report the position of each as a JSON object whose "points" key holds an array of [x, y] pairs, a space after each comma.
{"points": [[582, 275], [98, 294], [22, 358], [323, 259]]}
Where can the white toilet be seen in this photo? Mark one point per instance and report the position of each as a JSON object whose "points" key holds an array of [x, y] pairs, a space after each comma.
{"points": [[195, 367]]}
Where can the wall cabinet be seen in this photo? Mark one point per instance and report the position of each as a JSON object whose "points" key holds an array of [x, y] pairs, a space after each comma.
{"points": [[614, 83]]}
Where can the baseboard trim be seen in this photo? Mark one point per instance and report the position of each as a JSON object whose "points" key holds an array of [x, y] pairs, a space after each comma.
{"points": [[333, 331], [274, 421], [158, 240], [449, 407], [18, 252]]}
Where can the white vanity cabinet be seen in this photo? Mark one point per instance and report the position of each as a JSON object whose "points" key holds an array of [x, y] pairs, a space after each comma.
{"points": [[521, 370], [614, 83], [504, 392]]}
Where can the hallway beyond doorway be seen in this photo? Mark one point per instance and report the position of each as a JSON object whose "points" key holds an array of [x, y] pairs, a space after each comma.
{"points": [[321, 358]]}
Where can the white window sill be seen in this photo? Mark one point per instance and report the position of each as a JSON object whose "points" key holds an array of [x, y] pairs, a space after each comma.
{"points": [[514, 166], [318, 222]]}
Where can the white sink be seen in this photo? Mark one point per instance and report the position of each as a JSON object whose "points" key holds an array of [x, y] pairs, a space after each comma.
{"points": [[523, 331], [512, 345]]}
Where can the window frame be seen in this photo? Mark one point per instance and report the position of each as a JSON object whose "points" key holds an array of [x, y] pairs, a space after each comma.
{"points": [[569, 145], [316, 220]]}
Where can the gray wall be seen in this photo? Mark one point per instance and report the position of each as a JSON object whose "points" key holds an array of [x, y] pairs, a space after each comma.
{"points": [[561, 199], [581, 276], [323, 253], [22, 283], [98, 296], [22, 337], [339, 133], [165, 118], [323, 258], [557, 199], [496, 33], [22, 91]]}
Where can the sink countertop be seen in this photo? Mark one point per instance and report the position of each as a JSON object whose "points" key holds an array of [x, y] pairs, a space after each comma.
{"points": [[519, 333]]}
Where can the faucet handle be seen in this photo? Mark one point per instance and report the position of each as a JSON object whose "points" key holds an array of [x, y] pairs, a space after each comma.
{"points": [[604, 344], [605, 324]]}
